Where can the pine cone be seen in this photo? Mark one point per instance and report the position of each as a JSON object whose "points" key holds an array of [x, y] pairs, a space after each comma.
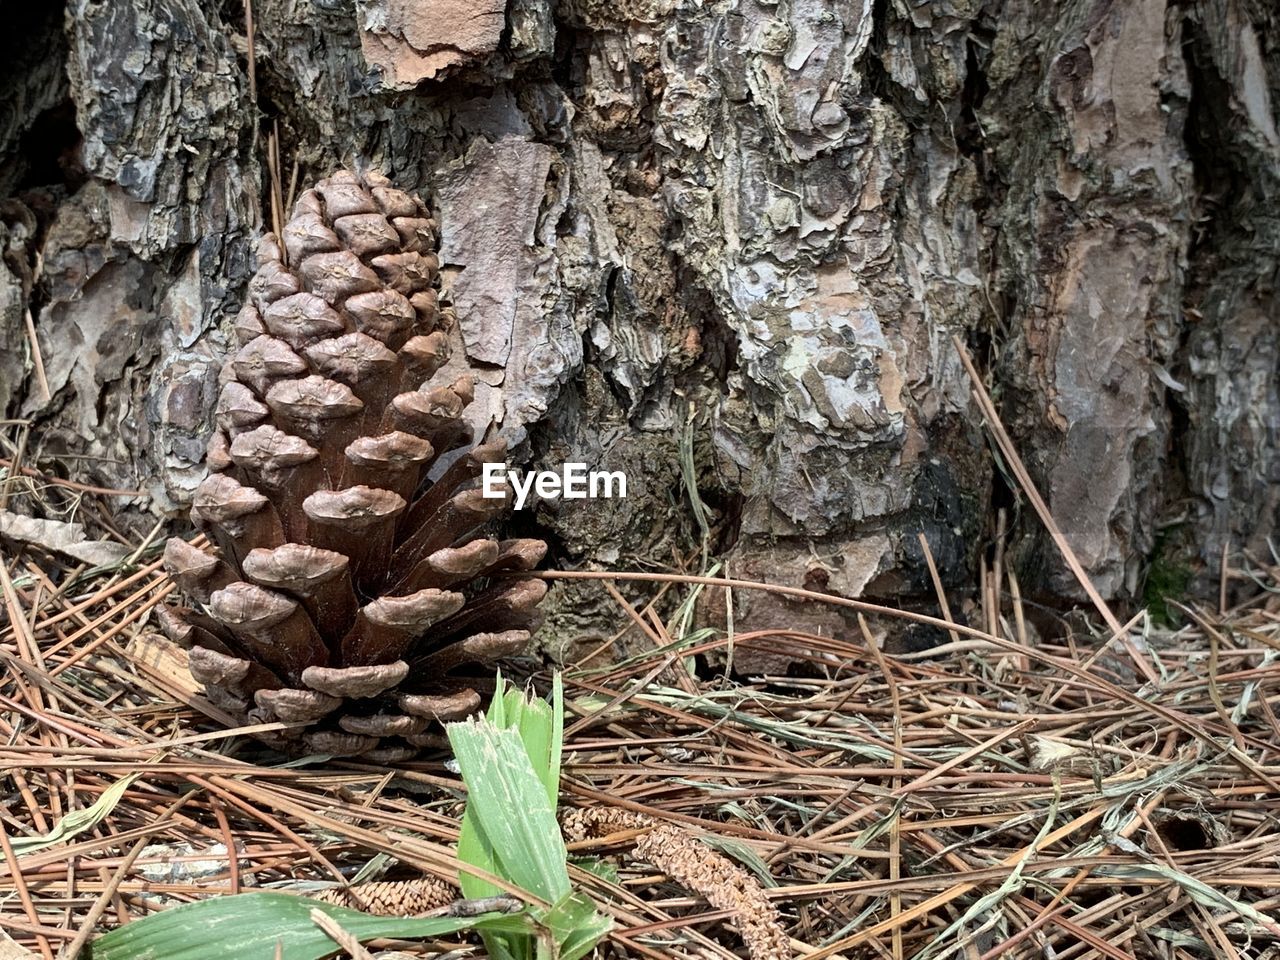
{"points": [[348, 587]]}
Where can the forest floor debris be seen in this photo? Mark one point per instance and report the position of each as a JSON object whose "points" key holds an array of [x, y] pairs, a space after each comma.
{"points": [[993, 797]]}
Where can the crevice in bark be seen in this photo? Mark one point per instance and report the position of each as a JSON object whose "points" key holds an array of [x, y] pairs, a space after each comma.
{"points": [[565, 61], [1220, 175], [969, 137], [1211, 180], [879, 83], [717, 362], [52, 173], [33, 89], [719, 341], [49, 147], [591, 356], [1220, 185]]}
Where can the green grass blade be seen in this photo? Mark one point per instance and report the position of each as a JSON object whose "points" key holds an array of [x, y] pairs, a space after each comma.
{"points": [[498, 705], [511, 809], [508, 708], [584, 937], [557, 741], [541, 728], [536, 733], [251, 924], [474, 849], [575, 926], [743, 854], [510, 762], [77, 821]]}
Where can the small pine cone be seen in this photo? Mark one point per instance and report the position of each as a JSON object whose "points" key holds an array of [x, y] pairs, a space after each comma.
{"points": [[348, 588], [725, 885], [694, 866], [596, 823], [393, 898]]}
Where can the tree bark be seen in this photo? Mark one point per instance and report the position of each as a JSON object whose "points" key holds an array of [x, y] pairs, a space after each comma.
{"points": [[720, 246]]}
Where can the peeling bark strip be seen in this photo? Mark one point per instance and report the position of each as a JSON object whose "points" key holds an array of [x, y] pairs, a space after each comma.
{"points": [[505, 180], [1099, 287], [722, 244], [410, 41]]}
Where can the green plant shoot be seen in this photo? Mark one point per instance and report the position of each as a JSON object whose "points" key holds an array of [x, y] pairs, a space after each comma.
{"points": [[510, 763]]}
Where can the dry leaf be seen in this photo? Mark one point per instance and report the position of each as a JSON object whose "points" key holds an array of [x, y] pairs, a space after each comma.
{"points": [[65, 538]]}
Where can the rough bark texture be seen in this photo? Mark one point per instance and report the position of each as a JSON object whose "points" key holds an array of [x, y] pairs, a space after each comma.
{"points": [[735, 234]]}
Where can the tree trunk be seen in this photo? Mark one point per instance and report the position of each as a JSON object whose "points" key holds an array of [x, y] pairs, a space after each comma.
{"points": [[720, 246]]}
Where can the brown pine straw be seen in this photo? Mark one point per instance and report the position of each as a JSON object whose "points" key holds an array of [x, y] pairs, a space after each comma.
{"points": [[1018, 793], [1028, 487], [334, 931]]}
